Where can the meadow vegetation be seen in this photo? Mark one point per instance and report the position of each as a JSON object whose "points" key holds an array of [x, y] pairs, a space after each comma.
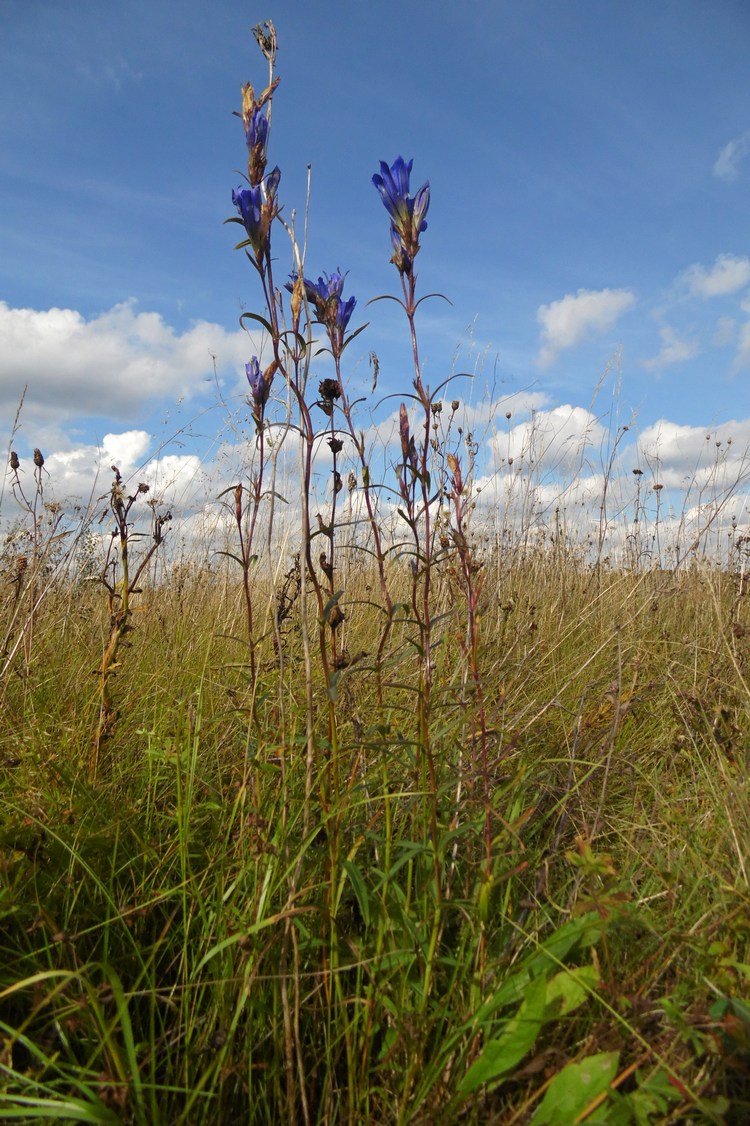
{"points": [[414, 819]]}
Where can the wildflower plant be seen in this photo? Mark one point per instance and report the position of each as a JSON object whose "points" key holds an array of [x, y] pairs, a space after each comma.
{"points": [[378, 889]]}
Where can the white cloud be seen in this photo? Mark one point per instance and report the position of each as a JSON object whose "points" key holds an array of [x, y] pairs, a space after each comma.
{"points": [[553, 440], [727, 275], [726, 331], [726, 166], [126, 450], [674, 350], [742, 359], [85, 471], [679, 454], [109, 365], [565, 323]]}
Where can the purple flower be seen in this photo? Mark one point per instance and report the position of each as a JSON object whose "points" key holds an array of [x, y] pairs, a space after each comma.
{"points": [[257, 208], [258, 387], [256, 131], [255, 123], [407, 214], [249, 203], [330, 309]]}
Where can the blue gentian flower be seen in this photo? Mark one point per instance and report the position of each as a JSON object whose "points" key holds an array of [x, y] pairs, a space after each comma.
{"points": [[330, 309], [258, 387], [256, 131], [258, 207], [255, 123], [407, 214], [249, 203]]}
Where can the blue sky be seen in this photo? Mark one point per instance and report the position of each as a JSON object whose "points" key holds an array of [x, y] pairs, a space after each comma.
{"points": [[589, 167]]}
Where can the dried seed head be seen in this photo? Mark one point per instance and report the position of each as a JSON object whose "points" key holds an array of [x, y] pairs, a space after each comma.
{"points": [[329, 389], [14, 462], [38, 458]]}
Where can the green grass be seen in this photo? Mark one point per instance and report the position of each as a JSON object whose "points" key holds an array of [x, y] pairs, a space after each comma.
{"points": [[213, 928]]}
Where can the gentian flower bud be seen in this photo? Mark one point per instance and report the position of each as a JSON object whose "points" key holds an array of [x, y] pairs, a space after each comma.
{"points": [[255, 123], [407, 214], [258, 388], [408, 449]]}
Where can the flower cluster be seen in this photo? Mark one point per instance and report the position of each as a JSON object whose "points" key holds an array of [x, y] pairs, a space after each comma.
{"points": [[407, 214], [330, 309], [258, 207]]}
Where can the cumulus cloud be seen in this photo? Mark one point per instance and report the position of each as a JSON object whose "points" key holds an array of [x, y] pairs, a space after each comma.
{"points": [[679, 454], [726, 165], [554, 440], [674, 350], [727, 275], [84, 470], [565, 323], [108, 365]]}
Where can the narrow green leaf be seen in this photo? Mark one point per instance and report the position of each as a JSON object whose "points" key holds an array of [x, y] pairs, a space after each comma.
{"points": [[62, 1110], [355, 334], [259, 319], [357, 880]]}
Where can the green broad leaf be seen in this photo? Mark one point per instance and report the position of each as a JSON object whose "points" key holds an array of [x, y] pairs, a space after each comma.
{"points": [[502, 1054], [648, 1103], [574, 1088], [357, 880], [569, 989]]}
